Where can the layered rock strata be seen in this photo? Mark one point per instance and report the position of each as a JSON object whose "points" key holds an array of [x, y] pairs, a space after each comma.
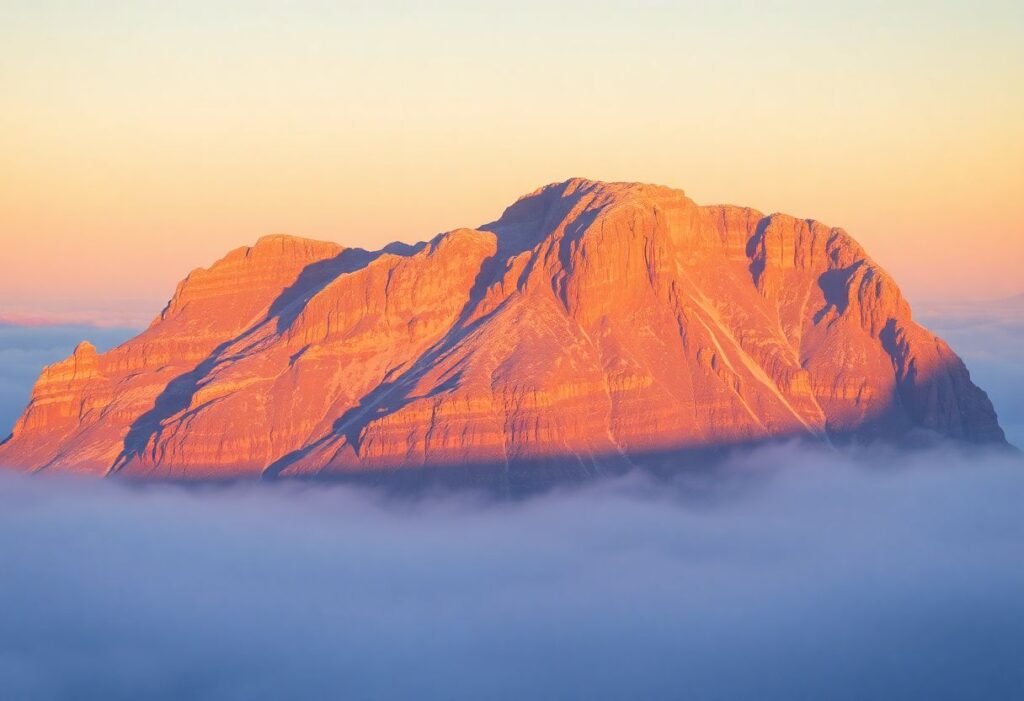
{"points": [[593, 324]]}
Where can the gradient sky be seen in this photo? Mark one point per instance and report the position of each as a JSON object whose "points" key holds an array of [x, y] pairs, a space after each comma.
{"points": [[139, 140]]}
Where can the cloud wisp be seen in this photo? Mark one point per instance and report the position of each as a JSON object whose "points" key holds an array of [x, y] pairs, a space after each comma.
{"points": [[790, 573]]}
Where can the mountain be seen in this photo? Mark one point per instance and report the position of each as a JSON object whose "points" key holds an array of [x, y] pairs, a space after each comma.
{"points": [[593, 325]]}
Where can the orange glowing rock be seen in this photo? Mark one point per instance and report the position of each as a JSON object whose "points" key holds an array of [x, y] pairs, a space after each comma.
{"points": [[594, 324]]}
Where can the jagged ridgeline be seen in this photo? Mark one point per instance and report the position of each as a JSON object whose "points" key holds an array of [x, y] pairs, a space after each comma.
{"points": [[593, 325]]}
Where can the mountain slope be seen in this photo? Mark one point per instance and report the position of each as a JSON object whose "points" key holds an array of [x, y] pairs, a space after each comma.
{"points": [[592, 324]]}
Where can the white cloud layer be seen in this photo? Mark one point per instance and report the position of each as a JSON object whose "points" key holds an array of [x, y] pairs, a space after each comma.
{"points": [[788, 574]]}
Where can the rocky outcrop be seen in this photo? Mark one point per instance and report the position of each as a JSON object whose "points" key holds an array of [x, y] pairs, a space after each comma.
{"points": [[593, 324]]}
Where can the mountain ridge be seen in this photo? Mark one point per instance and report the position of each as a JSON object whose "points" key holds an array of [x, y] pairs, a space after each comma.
{"points": [[592, 324]]}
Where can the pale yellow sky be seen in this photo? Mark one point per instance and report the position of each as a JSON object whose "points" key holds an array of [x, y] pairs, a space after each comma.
{"points": [[140, 140]]}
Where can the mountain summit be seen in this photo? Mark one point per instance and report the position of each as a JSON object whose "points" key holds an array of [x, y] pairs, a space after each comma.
{"points": [[592, 325]]}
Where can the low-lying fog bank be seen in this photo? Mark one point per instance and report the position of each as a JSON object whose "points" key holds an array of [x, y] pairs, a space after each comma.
{"points": [[793, 573]]}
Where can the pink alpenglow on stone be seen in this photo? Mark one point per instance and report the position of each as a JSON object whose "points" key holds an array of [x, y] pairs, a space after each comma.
{"points": [[593, 324]]}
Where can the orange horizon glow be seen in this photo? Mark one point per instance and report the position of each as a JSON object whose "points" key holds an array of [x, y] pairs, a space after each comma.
{"points": [[142, 142]]}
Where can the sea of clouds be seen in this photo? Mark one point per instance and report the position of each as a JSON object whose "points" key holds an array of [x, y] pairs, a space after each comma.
{"points": [[787, 573]]}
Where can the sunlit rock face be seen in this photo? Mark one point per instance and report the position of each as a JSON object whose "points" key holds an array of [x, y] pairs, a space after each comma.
{"points": [[592, 325]]}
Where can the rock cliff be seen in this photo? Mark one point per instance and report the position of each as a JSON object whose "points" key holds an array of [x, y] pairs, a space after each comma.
{"points": [[593, 324]]}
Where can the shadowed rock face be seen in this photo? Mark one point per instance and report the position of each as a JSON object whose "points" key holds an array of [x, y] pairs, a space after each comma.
{"points": [[592, 325]]}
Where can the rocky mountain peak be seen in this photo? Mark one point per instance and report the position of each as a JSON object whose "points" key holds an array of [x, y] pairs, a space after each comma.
{"points": [[592, 326]]}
